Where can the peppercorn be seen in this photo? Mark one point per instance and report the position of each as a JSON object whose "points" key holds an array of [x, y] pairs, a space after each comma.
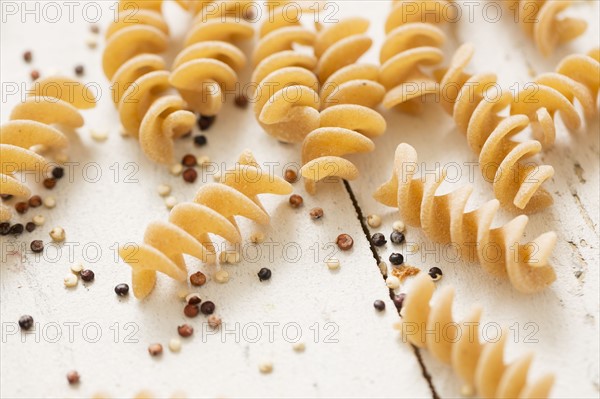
{"points": [[58, 172], [16, 229], [194, 300], [397, 237], [37, 246], [396, 259], [264, 274], [241, 101], [79, 70], [207, 308], [4, 229], [344, 242], [290, 176], [435, 273], [21, 207], [190, 175], [378, 239], [399, 300], [87, 275], [205, 122], [185, 330], [296, 201], [27, 56], [25, 322], [30, 226], [379, 305], [50, 183], [200, 140], [316, 213], [35, 75], [155, 349], [35, 201], [122, 289], [73, 377], [198, 279], [190, 310], [189, 160]]}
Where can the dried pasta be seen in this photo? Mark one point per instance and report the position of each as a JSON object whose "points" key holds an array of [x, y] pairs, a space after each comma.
{"points": [[517, 185], [186, 232], [51, 101], [541, 20], [480, 366], [444, 220]]}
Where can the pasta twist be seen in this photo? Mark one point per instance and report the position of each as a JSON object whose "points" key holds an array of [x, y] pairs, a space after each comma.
{"points": [[444, 220], [541, 20], [577, 78], [51, 101], [517, 184], [479, 365], [140, 80], [209, 62], [186, 232], [349, 92], [412, 42], [286, 101]]}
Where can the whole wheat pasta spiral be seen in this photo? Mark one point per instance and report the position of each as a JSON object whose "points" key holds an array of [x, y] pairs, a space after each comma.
{"points": [[51, 101], [577, 79], [541, 20], [211, 212], [349, 92], [479, 365], [503, 161], [444, 220]]}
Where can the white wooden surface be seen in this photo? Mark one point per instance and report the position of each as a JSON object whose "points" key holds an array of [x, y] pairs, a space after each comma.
{"points": [[367, 358]]}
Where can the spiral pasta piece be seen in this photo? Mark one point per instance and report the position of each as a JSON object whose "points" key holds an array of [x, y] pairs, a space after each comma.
{"points": [[577, 79], [412, 42], [480, 366], [52, 101], [212, 212], [541, 20], [517, 184], [444, 220]]}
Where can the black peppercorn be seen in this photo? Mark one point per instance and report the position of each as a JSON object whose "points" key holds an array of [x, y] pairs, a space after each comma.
{"points": [[379, 305], [16, 229], [122, 289], [200, 140], [207, 308], [396, 259], [205, 122], [378, 239], [264, 274], [37, 246], [399, 300], [435, 273], [58, 172], [26, 322], [397, 237], [87, 275]]}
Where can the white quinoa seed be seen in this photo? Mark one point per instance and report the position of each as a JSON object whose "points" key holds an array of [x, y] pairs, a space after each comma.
{"points": [[91, 41], [221, 276], [76, 268], [374, 220], [163, 190], [399, 226], [57, 234], [203, 160], [49, 202], [176, 169], [265, 367], [257, 237], [175, 344], [70, 280], [99, 135], [299, 346], [392, 282], [214, 321], [170, 202], [333, 263], [39, 220]]}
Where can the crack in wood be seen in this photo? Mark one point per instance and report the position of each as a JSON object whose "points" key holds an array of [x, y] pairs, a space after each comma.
{"points": [[582, 210]]}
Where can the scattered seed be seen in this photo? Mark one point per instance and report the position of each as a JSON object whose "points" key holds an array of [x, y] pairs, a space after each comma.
{"points": [[26, 322], [378, 239], [27, 56], [57, 234], [39, 220], [257, 237], [4, 228], [379, 305], [79, 70], [435, 273], [193, 299], [37, 246], [203, 160], [185, 330], [174, 345], [49, 183], [164, 190], [264, 274], [170, 202], [214, 321], [190, 175], [396, 259], [241, 101], [299, 346], [221, 276], [91, 41], [296, 201], [399, 226], [200, 140], [399, 300], [316, 213], [207, 308], [155, 349], [198, 279], [392, 282], [58, 172], [76, 268], [21, 207], [396, 237], [94, 28], [190, 310], [374, 221], [122, 289], [49, 202], [344, 242], [73, 377], [189, 160], [332, 263], [99, 135], [87, 275], [70, 280], [265, 367], [205, 122], [16, 229], [35, 75], [290, 176], [35, 201]]}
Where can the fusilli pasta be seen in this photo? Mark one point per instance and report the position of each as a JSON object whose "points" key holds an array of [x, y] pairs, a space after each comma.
{"points": [[479, 365], [444, 220], [51, 101], [212, 211]]}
